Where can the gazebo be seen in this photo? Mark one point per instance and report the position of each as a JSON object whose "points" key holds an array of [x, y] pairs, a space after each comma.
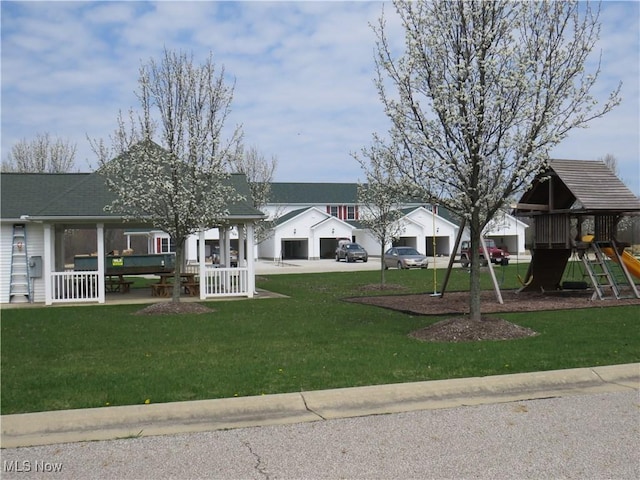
{"points": [[37, 209]]}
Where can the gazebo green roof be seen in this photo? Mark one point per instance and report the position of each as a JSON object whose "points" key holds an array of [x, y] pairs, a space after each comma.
{"points": [[81, 195]]}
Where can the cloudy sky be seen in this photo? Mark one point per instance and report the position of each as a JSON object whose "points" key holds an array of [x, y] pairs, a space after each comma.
{"points": [[303, 71]]}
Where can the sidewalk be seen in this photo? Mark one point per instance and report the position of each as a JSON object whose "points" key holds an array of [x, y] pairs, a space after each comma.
{"points": [[44, 428]]}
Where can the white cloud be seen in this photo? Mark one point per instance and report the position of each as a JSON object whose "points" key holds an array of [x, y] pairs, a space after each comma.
{"points": [[304, 73]]}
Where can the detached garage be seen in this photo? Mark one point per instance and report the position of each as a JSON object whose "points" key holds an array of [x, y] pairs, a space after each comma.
{"points": [[508, 232], [305, 234], [421, 227]]}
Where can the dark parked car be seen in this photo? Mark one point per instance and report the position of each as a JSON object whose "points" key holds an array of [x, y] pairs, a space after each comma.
{"points": [[404, 257], [350, 252]]}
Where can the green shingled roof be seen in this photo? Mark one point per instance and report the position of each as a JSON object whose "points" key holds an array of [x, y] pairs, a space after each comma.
{"points": [[314, 193], [85, 198], [30, 193], [76, 195], [245, 207]]}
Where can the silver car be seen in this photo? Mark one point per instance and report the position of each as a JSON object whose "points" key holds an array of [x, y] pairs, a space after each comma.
{"points": [[404, 257], [351, 252]]}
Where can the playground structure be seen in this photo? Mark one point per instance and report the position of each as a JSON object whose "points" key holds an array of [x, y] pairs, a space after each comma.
{"points": [[569, 197]]}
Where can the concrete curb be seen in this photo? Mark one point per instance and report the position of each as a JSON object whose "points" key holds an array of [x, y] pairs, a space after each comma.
{"points": [[436, 394], [44, 428]]}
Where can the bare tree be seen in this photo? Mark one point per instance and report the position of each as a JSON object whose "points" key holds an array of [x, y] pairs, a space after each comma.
{"points": [[481, 94], [624, 222], [43, 154], [381, 196], [612, 162], [178, 184], [259, 172]]}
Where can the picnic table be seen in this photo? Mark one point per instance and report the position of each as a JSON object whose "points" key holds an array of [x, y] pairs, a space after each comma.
{"points": [[117, 283], [164, 287]]}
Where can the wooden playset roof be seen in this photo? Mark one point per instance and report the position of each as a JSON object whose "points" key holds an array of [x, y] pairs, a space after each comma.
{"points": [[581, 187]]}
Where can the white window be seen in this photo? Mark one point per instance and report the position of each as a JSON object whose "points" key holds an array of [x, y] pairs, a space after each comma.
{"points": [[166, 245]]}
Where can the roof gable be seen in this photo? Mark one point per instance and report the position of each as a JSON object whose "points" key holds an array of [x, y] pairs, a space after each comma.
{"points": [[591, 183], [410, 212], [331, 219], [297, 213]]}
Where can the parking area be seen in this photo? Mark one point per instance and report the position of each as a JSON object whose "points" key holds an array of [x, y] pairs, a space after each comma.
{"points": [[267, 267]]}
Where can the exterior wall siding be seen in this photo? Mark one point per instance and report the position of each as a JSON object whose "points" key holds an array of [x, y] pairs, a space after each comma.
{"points": [[35, 247], [6, 233]]}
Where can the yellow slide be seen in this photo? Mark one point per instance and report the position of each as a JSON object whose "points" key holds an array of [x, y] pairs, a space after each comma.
{"points": [[631, 262]]}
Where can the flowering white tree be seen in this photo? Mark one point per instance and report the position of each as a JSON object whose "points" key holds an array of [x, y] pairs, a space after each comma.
{"points": [[381, 196], [179, 183], [481, 94]]}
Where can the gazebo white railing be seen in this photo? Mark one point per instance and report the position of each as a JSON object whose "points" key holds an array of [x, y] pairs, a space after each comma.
{"points": [[74, 286], [225, 282]]}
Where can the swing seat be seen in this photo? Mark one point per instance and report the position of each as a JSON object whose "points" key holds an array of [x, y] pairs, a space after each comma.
{"points": [[574, 285], [523, 283]]}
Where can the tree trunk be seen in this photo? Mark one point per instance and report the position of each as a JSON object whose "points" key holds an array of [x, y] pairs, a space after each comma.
{"points": [[474, 280], [382, 277], [175, 296]]}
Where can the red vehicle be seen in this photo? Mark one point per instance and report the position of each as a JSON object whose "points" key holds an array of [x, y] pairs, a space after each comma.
{"points": [[496, 255]]}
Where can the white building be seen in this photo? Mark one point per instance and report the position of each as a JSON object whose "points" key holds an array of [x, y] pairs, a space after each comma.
{"points": [[310, 218]]}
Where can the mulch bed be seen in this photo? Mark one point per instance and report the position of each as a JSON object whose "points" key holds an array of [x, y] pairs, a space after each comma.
{"points": [[458, 302], [174, 308], [461, 328]]}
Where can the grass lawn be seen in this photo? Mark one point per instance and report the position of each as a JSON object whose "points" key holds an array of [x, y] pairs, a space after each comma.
{"points": [[92, 356]]}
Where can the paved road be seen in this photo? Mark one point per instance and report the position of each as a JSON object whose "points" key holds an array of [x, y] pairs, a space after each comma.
{"points": [[589, 436]]}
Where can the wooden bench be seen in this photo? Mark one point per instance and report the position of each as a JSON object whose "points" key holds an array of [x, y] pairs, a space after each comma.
{"points": [[161, 289], [192, 288], [117, 285]]}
